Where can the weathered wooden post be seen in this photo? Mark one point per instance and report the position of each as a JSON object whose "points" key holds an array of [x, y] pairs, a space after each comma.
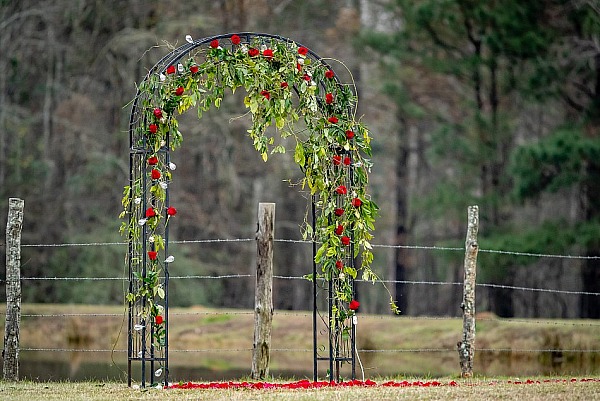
{"points": [[14, 225], [263, 298], [466, 347]]}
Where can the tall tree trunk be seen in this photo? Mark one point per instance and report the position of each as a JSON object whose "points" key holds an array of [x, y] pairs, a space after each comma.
{"points": [[401, 217], [503, 297], [590, 272]]}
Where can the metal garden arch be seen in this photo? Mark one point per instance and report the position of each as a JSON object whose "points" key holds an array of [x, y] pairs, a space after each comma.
{"points": [[148, 236]]}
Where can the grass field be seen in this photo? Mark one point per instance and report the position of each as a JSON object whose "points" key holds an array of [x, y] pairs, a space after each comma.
{"points": [[476, 389]]}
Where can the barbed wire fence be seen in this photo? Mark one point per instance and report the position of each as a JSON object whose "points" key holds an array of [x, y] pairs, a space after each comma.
{"points": [[300, 314], [302, 278]]}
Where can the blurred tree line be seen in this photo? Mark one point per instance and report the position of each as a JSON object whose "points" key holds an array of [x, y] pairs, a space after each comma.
{"points": [[495, 103]]}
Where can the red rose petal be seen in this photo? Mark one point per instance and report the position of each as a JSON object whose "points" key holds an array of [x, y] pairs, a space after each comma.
{"points": [[341, 190]]}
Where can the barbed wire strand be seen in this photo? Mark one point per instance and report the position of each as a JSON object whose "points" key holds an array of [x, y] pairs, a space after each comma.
{"points": [[308, 315], [410, 282], [227, 240], [216, 350]]}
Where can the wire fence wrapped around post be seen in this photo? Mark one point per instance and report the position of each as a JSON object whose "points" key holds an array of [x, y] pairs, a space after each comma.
{"points": [[14, 226], [466, 347]]}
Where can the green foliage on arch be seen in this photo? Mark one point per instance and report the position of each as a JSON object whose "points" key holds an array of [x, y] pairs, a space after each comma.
{"points": [[283, 85]]}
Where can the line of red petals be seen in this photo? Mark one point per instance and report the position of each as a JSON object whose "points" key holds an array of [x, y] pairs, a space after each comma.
{"points": [[307, 384]]}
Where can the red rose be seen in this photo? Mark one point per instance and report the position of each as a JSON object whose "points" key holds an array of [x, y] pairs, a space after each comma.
{"points": [[179, 91], [307, 77], [235, 39], [347, 161], [339, 264], [158, 319], [266, 94], [302, 51], [153, 160], [333, 119], [253, 52], [194, 69], [356, 202], [339, 230], [171, 211], [157, 113], [298, 66], [337, 159], [152, 255], [155, 174], [329, 98], [153, 128], [268, 53], [354, 304], [150, 212], [214, 43], [341, 190], [346, 240], [329, 74], [284, 85], [349, 134], [338, 211], [171, 69]]}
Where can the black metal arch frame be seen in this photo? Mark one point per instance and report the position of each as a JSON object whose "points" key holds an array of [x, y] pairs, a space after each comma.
{"points": [[140, 346]]}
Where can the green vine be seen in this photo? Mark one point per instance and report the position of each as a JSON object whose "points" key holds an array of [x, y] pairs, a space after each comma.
{"points": [[283, 85]]}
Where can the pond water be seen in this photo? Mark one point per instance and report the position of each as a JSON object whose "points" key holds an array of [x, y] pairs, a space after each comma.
{"points": [[83, 367]]}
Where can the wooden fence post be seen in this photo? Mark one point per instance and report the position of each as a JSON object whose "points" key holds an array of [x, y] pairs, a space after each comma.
{"points": [[466, 347], [263, 298], [14, 225]]}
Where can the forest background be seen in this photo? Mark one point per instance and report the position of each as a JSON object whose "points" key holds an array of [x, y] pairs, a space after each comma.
{"points": [[494, 103]]}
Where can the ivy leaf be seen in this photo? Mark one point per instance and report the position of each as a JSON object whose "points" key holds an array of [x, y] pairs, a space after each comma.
{"points": [[278, 149], [279, 122], [299, 155]]}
